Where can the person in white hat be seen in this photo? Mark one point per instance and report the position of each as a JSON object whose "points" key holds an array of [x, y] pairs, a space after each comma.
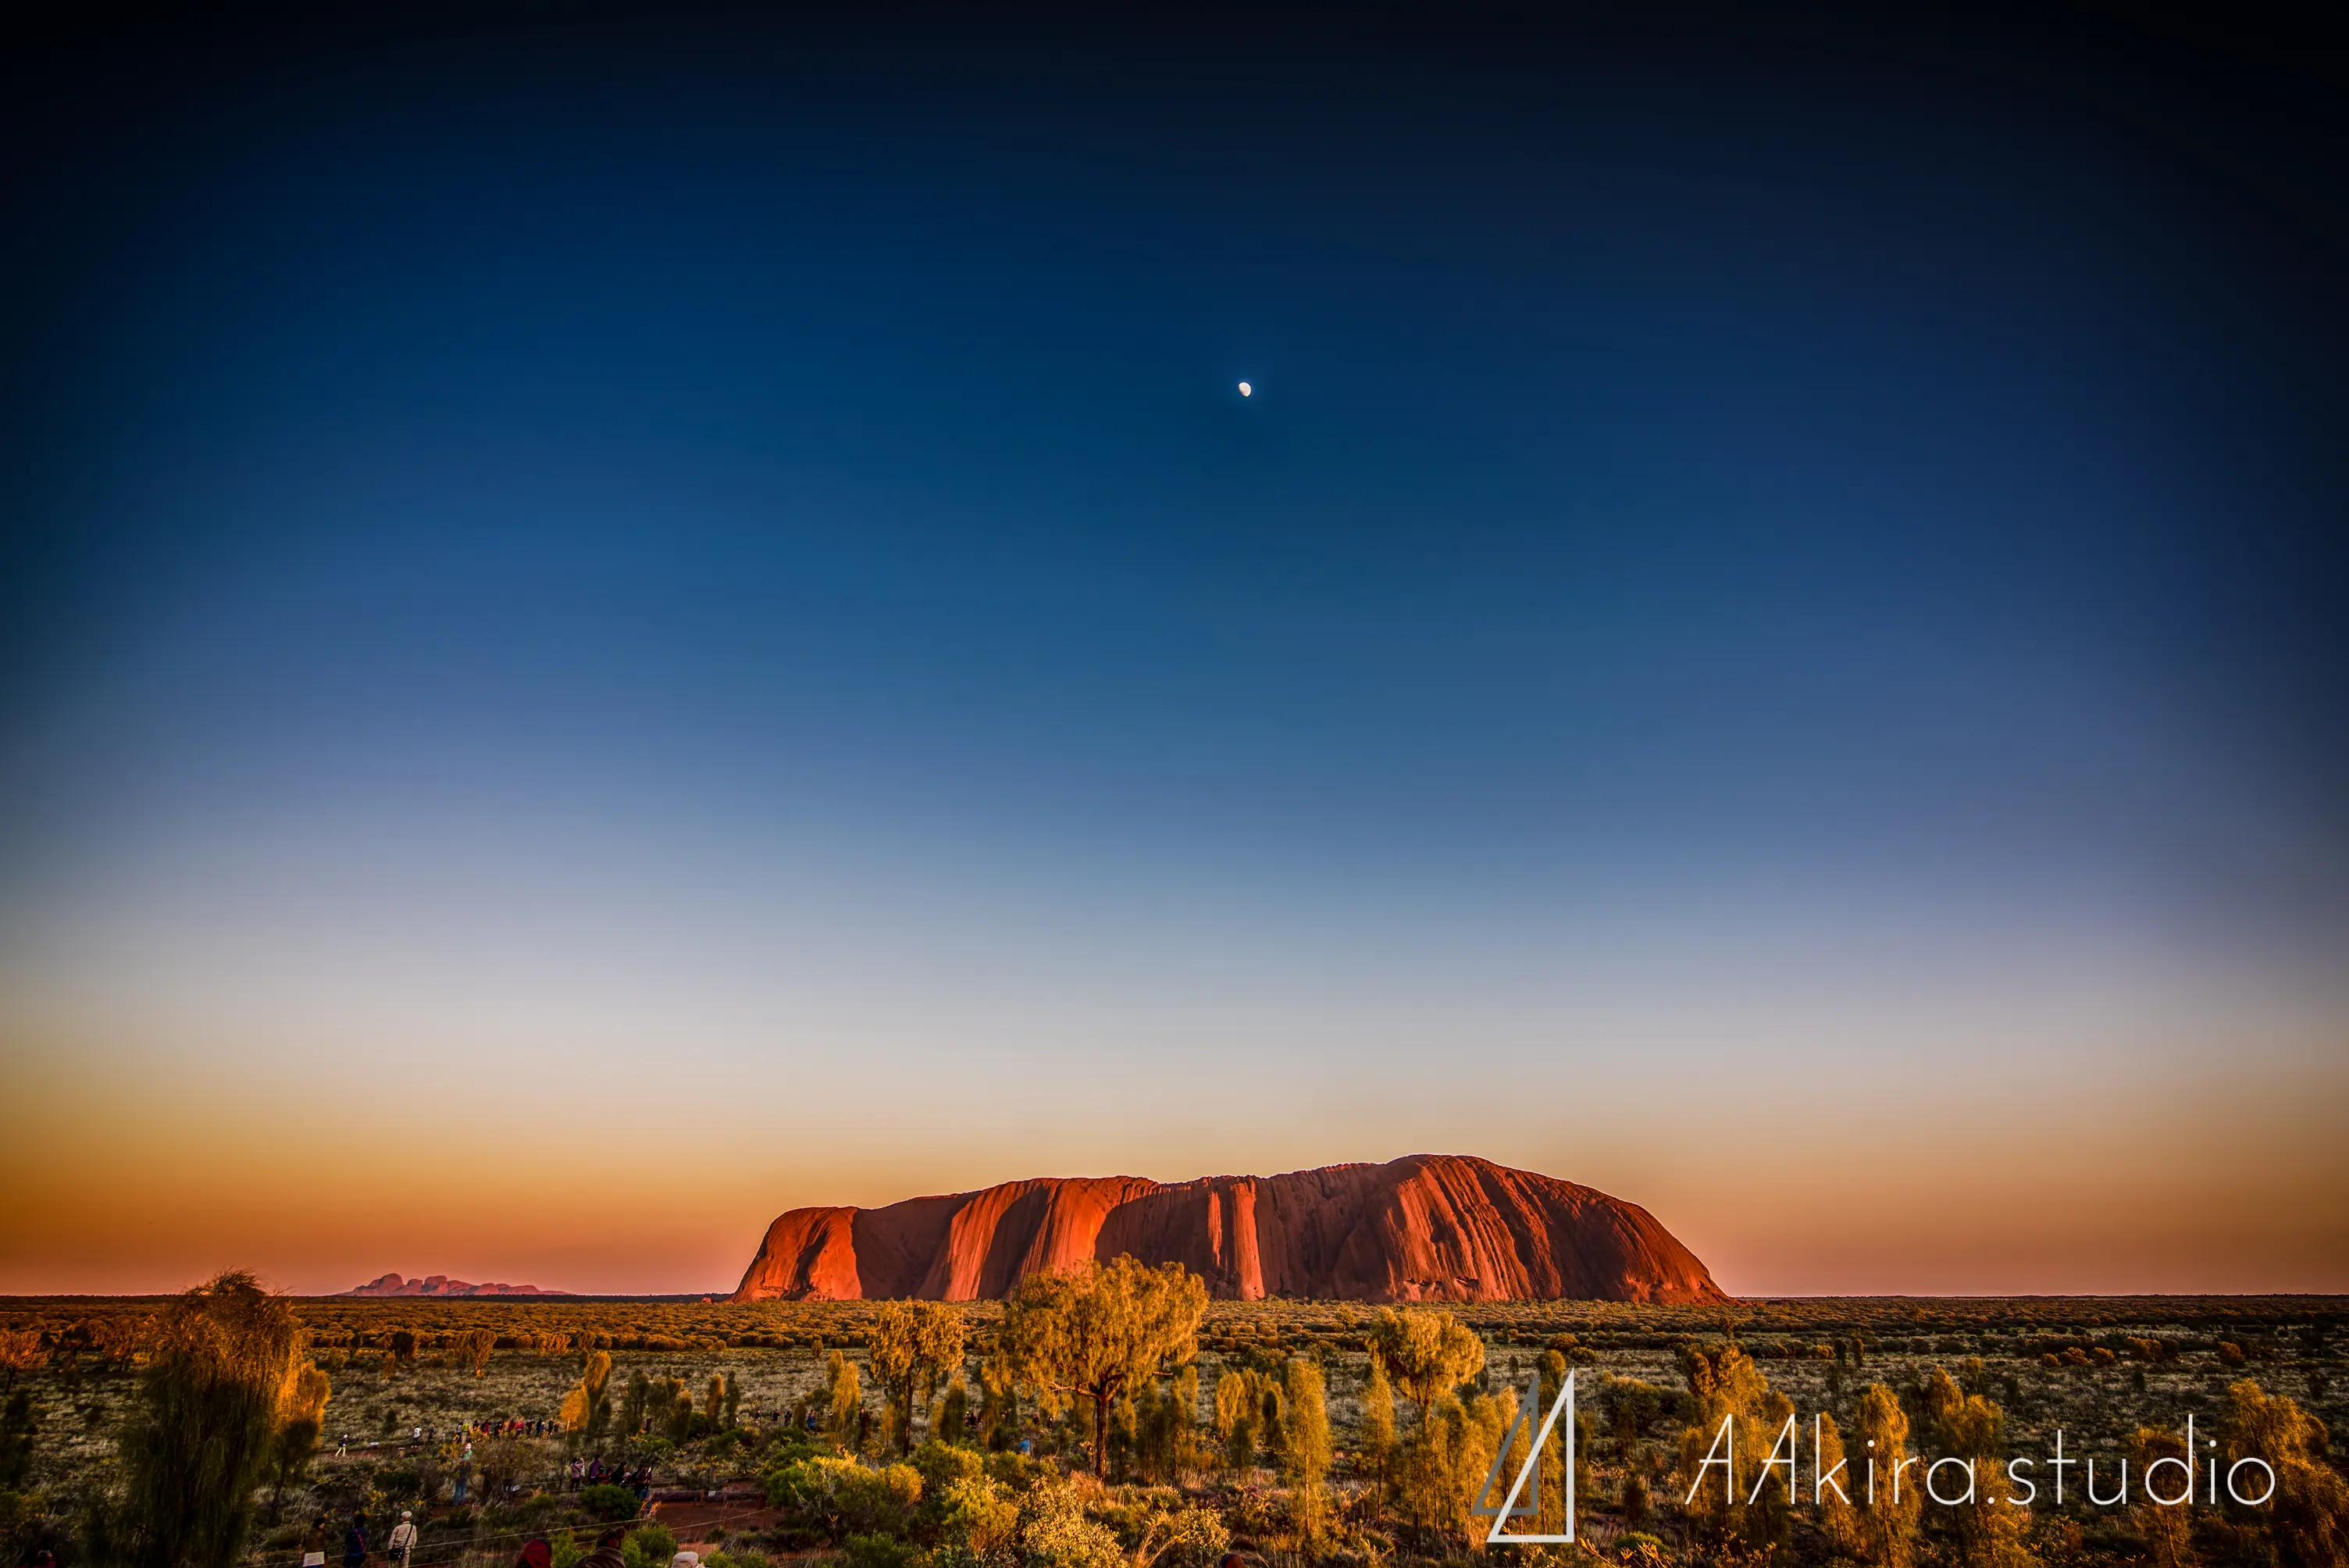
{"points": [[402, 1539]]}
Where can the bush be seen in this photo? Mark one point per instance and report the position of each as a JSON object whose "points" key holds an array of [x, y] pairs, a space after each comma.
{"points": [[939, 1464], [650, 1547], [1018, 1473], [973, 1514], [609, 1502], [736, 1557], [1055, 1534], [827, 1499], [879, 1552]]}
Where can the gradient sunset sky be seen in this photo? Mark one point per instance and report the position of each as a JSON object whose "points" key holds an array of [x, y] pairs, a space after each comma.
{"points": [[608, 630]]}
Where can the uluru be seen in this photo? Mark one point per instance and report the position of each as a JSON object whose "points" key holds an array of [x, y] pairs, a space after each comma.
{"points": [[1427, 1227]]}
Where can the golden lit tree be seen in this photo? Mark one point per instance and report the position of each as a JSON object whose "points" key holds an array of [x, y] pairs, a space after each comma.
{"points": [[2310, 1520], [1727, 1492], [20, 1351], [1991, 1531], [300, 1415], [1377, 1423], [1094, 1331], [2168, 1531], [1838, 1520], [1305, 1444], [473, 1347], [1888, 1516], [843, 1395], [588, 1407], [1425, 1354], [913, 1347], [225, 1367]]}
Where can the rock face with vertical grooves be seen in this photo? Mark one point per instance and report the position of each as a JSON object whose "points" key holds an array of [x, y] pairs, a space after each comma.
{"points": [[1427, 1227]]}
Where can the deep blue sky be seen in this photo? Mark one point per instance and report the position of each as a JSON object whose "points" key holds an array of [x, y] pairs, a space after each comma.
{"points": [[1756, 558]]}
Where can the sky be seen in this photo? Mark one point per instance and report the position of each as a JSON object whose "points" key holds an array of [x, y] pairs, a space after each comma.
{"points": [[607, 629]]}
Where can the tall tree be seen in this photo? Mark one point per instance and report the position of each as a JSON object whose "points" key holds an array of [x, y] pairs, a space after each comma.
{"points": [[2168, 1531], [914, 1347], [1728, 1494], [844, 1398], [226, 1361], [588, 1407], [1887, 1516], [2308, 1522], [20, 1351], [1305, 1445], [1426, 1354], [1378, 1423], [473, 1347], [1991, 1531], [300, 1416], [1094, 1331]]}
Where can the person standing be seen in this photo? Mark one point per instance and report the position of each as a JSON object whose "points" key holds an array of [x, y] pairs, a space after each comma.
{"points": [[608, 1552], [402, 1541], [313, 1544], [355, 1543]]}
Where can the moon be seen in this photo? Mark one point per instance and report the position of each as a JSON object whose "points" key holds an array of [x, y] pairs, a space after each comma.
{"points": [[1246, 390]]}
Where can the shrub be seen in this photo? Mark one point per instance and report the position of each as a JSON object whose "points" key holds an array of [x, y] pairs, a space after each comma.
{"points": [[973, 1514], [650, 1547], [826, 1499], [879, 1552], [1018, 1473], [1055, 1534]]}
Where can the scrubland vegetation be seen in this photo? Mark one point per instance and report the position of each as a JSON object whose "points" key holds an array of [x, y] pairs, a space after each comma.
{"points": [[1120, 1418]]}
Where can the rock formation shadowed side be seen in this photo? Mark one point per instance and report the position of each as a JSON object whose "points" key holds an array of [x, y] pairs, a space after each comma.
{"points": [[1428, 1227]]}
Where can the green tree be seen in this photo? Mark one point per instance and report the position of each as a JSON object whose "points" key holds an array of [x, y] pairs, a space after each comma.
{"points": [[672, 1409], [1094, 1331], [998, 1403], [1166, 1443], [199, 1439], [912, 1345], [1425, 1354], [947, 1421]]}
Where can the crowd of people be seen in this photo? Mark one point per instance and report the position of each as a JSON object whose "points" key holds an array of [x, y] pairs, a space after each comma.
{"points": [[585, 1473], [400, 1546]]}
